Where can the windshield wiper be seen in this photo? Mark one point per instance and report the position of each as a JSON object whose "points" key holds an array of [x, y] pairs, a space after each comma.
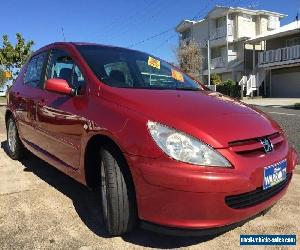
{"points": [[187, 88]]}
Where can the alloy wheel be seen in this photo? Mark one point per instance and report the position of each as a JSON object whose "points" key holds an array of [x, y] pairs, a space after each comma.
{"points": [[12, 136]]}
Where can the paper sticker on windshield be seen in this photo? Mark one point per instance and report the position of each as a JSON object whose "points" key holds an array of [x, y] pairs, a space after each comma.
{"points": [[177, 75], [153, 62]]}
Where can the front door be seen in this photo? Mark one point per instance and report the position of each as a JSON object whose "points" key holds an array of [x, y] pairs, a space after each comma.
{"points": [[60, 125]]}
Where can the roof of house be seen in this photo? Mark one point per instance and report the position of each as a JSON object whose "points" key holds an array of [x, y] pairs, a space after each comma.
{"points": [[285, 30], [222, 10], [249, 11], [185, 24]]}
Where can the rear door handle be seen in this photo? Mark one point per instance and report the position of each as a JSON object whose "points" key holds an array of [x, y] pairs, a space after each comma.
{"points": [[42, 101]]}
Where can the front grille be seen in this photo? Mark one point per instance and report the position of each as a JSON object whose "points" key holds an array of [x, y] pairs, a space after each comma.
{"points": [[254, 145], [255, 197]]}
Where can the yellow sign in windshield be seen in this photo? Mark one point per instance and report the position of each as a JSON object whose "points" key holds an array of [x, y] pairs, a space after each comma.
{"points": [[177, 75], [153, 62]]}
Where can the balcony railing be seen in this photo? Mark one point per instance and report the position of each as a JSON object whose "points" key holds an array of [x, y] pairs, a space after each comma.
{"points": [[218, 62], [279, 56]]}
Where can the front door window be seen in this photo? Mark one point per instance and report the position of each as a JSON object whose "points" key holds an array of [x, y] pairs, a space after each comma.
{"points": [[63, 66]]}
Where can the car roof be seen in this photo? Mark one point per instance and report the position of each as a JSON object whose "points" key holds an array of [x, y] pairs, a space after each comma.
{"points": [[72, 44]]}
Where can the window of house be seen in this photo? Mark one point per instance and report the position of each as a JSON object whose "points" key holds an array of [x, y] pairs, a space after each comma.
{"points": [[221, 27], [215, 52], [230, 25], [62, 66], [293, 42], [186, 34], [272, 22], [220, 22], [34, 73], [248, 18]]}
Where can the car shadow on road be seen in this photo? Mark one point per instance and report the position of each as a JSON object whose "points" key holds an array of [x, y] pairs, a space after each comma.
{"points": [[86, 203], [88, 207]]}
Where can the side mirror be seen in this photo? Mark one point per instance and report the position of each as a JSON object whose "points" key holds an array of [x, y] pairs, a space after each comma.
{"points": [[60, 86]]}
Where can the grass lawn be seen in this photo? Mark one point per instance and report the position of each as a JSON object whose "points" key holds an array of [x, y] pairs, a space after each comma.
{"points": [[2, 99]]}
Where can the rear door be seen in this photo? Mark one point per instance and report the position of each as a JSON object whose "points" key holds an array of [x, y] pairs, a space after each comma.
{"points": [[28, 92], [60, 121]]}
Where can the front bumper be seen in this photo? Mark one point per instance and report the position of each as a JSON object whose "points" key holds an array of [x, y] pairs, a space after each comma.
{"points": [[178, 195], [194, 232]]}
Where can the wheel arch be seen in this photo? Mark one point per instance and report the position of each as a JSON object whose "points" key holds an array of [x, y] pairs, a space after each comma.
{"points": [[92, 159]]}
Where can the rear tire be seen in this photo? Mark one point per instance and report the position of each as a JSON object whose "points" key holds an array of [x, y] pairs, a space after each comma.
{"points": [[117, 193], [15, 148]]}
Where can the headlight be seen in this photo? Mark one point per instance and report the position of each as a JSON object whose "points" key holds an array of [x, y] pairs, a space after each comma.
{"points": [[185, 148]]}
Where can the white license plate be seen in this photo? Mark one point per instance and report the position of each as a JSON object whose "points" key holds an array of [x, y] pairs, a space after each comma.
{"points": [[274, 174]]}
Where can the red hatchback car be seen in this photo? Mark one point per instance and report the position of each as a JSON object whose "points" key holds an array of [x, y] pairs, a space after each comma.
{"points": [[166, 152]]}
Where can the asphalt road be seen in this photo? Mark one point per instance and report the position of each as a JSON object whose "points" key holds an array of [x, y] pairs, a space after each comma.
{"points": [[289, 120], [41, 208]]}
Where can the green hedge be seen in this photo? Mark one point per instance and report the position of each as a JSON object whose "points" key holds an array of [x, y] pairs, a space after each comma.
{"points": [[230, 90]]}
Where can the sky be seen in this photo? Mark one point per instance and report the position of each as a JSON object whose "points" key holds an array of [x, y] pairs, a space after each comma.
{"points": [[146, 25]]}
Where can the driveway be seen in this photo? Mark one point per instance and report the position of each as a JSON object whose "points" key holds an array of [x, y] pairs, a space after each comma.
{"points": [[272, 102], [41, 208]]}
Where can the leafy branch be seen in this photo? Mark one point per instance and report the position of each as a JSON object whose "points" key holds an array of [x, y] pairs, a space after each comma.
{"points": [[12, 57]]}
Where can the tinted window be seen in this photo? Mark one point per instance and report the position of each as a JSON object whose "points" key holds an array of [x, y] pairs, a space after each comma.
{"points": [[125, 68], [63, 66], [121, 68], [35, 70]]}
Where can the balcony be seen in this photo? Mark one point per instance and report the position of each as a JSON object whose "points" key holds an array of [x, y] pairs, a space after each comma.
{"points": [[281, 56], [218, 62], [220, 32], [220, 35], [218, 65]]}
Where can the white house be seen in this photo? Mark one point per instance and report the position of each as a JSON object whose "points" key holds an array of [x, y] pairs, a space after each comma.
{"points": [[277, 65], [227, 28]]}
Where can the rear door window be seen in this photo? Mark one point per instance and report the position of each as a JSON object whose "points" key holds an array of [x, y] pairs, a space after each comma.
{"points": [[35, 73]]}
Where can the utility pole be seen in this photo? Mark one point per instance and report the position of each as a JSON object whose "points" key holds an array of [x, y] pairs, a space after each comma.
{"points": [[208, 61]]}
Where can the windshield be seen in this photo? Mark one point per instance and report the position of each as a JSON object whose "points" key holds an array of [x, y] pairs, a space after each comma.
{"points": [[123, 68]]}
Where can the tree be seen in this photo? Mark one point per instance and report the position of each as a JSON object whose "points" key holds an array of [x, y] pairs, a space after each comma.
{"points": [[3, 79], [229, 82], [13, 57], [215, 79], [190, 59]]}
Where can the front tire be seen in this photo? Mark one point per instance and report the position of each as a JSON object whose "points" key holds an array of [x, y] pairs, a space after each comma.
{"points": [[15, 147], [117, 193]]}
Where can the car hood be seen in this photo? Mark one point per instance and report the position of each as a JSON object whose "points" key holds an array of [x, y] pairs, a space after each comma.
{"points": [[209, 116]]}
